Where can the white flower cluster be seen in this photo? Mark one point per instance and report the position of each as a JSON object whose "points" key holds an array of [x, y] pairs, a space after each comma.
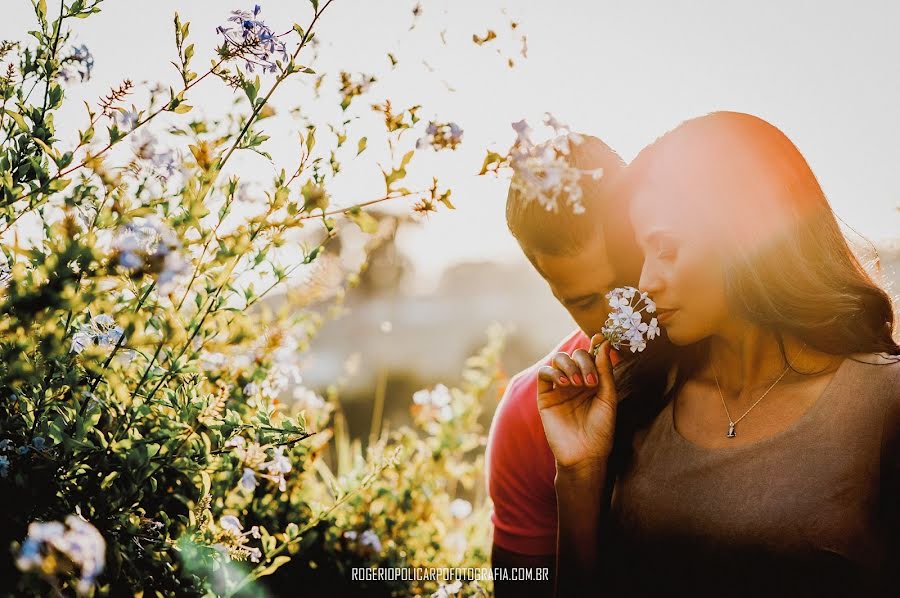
{"points": [[53, 547], [5, 273], [542, 172], [161, 161], [279, 377], [101, 331], [253, 40], [448, 589], [233, 540], [256, 463], [145, 243], [441, 136], [625, 326], [368, 538], [435, 403]]}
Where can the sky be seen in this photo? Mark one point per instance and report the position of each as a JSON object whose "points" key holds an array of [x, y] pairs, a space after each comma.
{"points": [[824, 73]]}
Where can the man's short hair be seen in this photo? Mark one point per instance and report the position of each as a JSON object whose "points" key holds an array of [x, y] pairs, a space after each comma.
{"points": [[564, 232]]}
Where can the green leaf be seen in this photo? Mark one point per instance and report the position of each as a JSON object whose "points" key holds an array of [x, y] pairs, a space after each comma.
{"points": [[251, 88], [276, 563], [47, 149], [365, 221], [182, 108], [20, 120], [108, 480]]}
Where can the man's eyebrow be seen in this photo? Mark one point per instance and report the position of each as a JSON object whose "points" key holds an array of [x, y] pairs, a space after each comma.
{"points": [[580, 298]]}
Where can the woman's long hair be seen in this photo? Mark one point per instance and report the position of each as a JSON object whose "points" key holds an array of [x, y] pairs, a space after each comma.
{"points": [[793, 275]]}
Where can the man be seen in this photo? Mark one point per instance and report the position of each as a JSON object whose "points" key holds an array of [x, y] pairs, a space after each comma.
{"points": [[581, 256]]}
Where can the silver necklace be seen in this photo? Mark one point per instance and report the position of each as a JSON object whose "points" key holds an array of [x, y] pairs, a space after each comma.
{"points": [[732, 423]]}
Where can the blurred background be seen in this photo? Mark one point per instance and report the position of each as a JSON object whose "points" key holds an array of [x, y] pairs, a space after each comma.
{"points": [[627, 72]]}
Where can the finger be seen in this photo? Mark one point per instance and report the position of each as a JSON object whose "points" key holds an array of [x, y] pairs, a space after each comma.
{"points": [[586, 364], [596, 341], [548, 378], [571, 370], [604, 366]]}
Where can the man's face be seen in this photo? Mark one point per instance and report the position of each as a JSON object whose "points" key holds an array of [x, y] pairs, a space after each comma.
{"points": [[581, 282]]}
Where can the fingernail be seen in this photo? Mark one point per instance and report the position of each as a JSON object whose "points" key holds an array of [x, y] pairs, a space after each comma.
{"points": [[591, 379], [563, 380], [577, 379]]}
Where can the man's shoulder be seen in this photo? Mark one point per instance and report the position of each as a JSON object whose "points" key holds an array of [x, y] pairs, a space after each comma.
{"points": [[523, 386]]}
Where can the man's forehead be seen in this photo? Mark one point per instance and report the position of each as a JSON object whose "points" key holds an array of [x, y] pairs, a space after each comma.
{"points": [[585, 270]]}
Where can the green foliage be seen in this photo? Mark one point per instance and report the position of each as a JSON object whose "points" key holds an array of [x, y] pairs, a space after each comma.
{"points": [[140, 372]]}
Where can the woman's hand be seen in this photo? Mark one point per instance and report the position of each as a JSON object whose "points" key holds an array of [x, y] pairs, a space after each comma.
{"points": [[577, 402]]}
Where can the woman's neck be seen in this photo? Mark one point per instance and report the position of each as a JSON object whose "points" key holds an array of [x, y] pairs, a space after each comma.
{"points": [[744, 356]]}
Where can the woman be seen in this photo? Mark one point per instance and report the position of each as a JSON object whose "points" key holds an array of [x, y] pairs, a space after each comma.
{"points": [[764, 458]]}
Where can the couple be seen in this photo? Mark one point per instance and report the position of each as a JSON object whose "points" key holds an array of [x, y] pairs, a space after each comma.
{"points": [[753, 449]]}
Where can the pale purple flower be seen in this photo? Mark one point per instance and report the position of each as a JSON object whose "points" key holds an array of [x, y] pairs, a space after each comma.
{"points": [[78, 542], [460, 508], [77, 65], [624, 326], [448, 589], [232, 524], [370, 538], [248, 480], [252, 40], [101, 330], [543, 171]]}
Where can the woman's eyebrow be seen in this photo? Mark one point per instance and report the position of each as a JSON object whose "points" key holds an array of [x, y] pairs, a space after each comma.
{"points": [[656, 235]]}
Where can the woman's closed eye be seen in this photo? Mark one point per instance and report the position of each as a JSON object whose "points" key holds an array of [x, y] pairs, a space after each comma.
{"points": [[666, 250]]}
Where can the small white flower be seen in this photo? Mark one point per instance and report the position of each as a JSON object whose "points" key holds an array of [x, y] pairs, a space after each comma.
{"points": [[237, 441], [624, 326], [78, 541], [653, 329], [248, 480], [370, 538], [232, 524], [279, 463], [460, 508], [447, 590]]}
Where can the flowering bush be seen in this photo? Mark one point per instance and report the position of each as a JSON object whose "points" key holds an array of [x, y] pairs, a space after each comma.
{"points": [[142, 434]]}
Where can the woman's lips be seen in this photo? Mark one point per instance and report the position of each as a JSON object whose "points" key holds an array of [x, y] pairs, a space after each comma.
{"points": [[664, 315]]}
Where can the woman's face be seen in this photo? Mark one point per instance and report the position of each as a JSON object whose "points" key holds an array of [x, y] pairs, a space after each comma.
{"points": [[683, 267]]}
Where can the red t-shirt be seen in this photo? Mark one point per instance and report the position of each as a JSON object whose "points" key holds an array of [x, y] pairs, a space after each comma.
{"points": [[521, 467]]}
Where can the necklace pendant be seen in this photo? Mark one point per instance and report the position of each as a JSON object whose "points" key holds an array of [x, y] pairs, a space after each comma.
{"points": [[730, 430]]}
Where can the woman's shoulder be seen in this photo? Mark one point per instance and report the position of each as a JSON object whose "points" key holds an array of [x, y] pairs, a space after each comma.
{"points": [[888, 364], [879, 372]]}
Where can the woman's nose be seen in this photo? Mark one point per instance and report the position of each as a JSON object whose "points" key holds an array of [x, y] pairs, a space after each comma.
{"points": [[650, 281]]}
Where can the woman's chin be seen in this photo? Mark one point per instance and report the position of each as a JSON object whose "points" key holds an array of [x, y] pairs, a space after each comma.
{"points": [[680, 337]]}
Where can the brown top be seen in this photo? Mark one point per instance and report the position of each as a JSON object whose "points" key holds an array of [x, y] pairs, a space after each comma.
{"points": [[812, 511]]}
